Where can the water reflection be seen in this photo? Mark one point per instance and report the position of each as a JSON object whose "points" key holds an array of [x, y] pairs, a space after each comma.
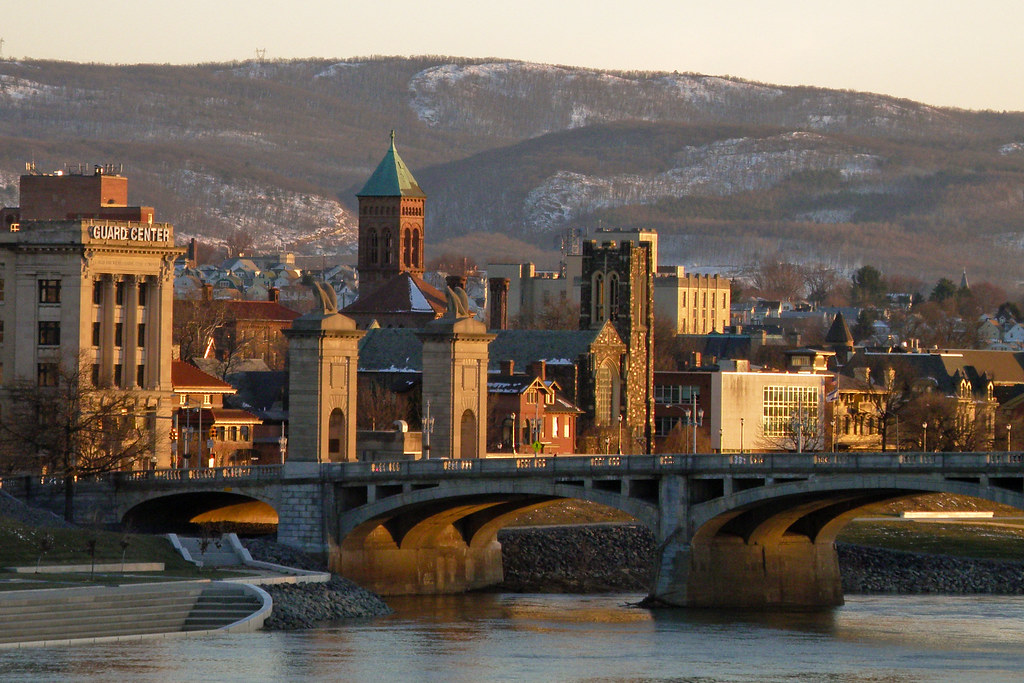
{"points": [[581, 638]]}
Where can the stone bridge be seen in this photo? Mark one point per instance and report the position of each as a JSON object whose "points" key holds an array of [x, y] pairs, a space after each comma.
{"points": [[751, 530]]}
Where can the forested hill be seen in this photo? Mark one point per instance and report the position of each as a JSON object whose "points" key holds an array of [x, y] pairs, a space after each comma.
{"points": [[727, 170]]}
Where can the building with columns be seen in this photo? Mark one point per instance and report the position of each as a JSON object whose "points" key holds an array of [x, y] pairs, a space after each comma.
{"points": [[86, 279]]}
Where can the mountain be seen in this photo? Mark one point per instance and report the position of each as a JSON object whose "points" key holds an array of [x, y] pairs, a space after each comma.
{"points": [[727, 170]]}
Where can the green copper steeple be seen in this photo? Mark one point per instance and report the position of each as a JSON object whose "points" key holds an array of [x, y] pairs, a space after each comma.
{"points": [[392, 178]]}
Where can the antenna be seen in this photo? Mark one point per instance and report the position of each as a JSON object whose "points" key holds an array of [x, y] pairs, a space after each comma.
{"points": [[261, 53]]}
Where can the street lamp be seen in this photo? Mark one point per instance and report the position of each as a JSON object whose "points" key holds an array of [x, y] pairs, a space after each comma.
{"points": [[741, 434], [1007, 437], [620, 434], [282, 443], [428, 427], [513, 433], [924, 436]]}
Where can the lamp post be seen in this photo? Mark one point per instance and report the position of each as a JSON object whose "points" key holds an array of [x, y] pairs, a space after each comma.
{"points": [[1007, 437], [513, 433], [741, 434], [620, 434], [924, 436], [282, 443], [428, 426]]}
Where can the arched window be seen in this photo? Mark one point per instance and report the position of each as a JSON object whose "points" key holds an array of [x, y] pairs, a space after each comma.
{"points": [[597, 303], [604, 385], [468, 436], [389, 247], [613, 296], [407, 248], [373, 247], [416, 248]]}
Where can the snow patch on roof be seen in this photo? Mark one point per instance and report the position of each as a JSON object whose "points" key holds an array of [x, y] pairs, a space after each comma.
{"points": [[418, 302]]}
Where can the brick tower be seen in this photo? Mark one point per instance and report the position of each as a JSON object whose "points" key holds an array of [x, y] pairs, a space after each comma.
{"points": [[391, 208]]}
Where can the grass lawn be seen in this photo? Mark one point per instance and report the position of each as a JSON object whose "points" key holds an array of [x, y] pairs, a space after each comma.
{"points": [[998, 540]]}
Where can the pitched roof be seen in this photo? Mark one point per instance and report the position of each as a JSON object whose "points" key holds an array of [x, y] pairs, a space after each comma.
{"points": [[390, 349], [402, 293], [839, 332], [392, 178], [398, 349], [554, 347], [261, 310], [186, 377]]}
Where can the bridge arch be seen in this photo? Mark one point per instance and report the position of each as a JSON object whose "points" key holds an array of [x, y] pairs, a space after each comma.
{"points": [[174, 511], [774, 545], [444, 539]]}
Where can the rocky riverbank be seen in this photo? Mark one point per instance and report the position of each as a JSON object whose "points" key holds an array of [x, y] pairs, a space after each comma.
{"points": [[308, 605], [619, 557]]}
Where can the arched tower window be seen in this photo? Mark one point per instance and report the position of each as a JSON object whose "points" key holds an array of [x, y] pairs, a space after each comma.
{"points": [[613, 296], [416, 262], [373, 247], [407, 248], [597, 298], [389, 247]]}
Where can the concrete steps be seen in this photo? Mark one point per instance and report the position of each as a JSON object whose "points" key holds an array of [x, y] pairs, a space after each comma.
{"points": [[224, 556], [38, 616]]}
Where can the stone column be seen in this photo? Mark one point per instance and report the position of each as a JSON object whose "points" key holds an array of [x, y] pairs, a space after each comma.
{"points": [[323, 361], [455, 383], [130, 342], [107, 319]]}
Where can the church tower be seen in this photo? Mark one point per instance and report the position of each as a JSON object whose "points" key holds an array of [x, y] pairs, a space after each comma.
{"points": [[617, 286], [390, 223]]}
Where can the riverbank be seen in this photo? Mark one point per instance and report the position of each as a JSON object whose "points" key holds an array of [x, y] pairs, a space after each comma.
{"points": [[308, 605], [619, 558]]}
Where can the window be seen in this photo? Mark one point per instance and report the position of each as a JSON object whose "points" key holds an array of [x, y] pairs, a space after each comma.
{"points": [[95, 334], [143, 293], [531, 397], [243, 433], [141, 339], [603, 396], [140, 375], [790, 408], [97, 292], [94, 375], [1, 290], [46, 374], [49, 333], [373, 246], [118, 374], [118, 333], [389, 247], [675, 394], [49, 291], [549, 398], [183, 400], [119, 293], [207, 399]]}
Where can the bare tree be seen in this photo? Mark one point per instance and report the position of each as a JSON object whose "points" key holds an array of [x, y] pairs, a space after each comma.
{"points": [[379, 407], [196, 324], [64, 426], [776, 279]]}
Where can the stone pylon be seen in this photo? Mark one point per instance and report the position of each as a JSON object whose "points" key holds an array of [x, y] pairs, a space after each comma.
{"points": [[455, 381], [323, 354]]}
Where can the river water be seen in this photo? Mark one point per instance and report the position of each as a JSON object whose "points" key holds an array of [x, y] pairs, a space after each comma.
{"points": [[506, 637]]}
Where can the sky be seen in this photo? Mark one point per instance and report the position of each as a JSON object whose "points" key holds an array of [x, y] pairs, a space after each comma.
{"points": [[940, 52]]}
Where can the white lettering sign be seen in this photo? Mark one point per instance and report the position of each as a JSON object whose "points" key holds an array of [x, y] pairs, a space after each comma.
{"points": [[134, 233]]}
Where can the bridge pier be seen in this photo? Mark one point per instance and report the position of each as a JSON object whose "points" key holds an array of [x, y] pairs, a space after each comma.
{"points": [[445, 565], [727, 572]]}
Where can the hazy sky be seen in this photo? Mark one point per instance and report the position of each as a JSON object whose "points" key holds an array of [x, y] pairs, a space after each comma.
{"points": [[943, 52]]}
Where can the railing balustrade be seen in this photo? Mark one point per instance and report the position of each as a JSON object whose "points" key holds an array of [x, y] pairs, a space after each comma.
{"points": [[565, 465]]}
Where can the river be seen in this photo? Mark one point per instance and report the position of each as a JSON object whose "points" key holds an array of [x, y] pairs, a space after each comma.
{"points": [[505, 637]]}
